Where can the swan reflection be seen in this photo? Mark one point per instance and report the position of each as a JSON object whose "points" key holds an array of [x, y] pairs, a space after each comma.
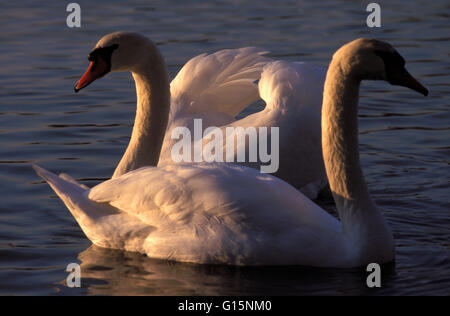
{"points": [[115, 272]]}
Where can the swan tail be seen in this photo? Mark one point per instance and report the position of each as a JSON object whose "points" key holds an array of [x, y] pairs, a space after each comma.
{"points": [[72, 195], [62, 185], [72, 180], [222, 82], [102, 223]]}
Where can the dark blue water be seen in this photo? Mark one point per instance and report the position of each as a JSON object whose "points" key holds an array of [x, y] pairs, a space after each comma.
{"points": [[405, 147]]}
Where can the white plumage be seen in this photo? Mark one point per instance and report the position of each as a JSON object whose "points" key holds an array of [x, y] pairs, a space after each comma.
{"points": [[229, 214], [217, 87], [203, 213], [222, 82]]}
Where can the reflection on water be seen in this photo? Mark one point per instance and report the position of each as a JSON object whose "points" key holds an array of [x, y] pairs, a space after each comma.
{"points": [[113, 272], [404, 139]]}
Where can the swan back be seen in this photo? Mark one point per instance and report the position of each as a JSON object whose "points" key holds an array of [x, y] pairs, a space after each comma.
{"points": [[222, 213], [198, 213]]}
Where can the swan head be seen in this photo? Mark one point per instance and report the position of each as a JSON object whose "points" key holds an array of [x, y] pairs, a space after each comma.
{"points": [[370, 59], [117, 52]]}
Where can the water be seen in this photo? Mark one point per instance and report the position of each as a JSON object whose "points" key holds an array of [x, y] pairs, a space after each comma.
{"points": [[404, 138]]}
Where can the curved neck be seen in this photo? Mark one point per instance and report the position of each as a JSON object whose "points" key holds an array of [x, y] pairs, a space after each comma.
{"points": [[340, 136], [153, 103], [361, 220]]}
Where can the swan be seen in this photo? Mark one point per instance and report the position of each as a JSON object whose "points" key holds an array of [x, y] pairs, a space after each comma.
{"points": [[215, 88], [219, 213]]}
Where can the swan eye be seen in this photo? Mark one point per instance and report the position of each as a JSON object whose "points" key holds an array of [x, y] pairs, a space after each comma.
{"points": [[104, 52], [394, 65], [391, 59]]}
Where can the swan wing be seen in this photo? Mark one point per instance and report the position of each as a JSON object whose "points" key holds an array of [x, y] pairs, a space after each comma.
{"points": [[222, 82], [175, 196], [220, 213], [293, 96], [292, 86], [205, 213]]}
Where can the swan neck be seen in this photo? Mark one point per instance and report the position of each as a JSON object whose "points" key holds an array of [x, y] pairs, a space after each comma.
{"points": [[340, 134], [362, 222], [152, 113]]}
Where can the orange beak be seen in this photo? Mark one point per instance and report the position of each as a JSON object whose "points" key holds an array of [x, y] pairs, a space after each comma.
{"points": [[96, 69]]}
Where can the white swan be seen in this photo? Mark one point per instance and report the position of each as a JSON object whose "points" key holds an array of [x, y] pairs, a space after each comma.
{"points": [[215, 88], [229, 214]]}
